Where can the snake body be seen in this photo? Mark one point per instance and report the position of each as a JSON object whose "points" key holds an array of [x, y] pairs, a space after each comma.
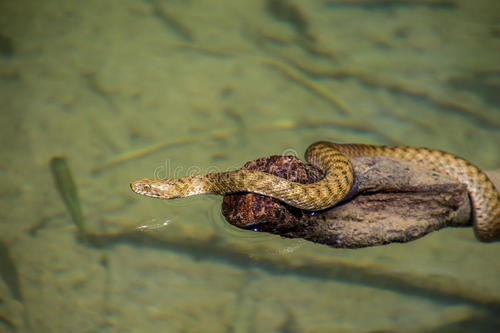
{"points": [[333, 160]]}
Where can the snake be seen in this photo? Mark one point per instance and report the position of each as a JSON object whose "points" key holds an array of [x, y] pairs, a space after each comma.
{"points": [[333, 160]]}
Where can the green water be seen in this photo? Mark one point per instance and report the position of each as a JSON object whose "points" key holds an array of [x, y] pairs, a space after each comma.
{"points": [[219, 83]]}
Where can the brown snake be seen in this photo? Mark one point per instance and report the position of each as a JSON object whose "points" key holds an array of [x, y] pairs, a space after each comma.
{"points": [[333, 160]]}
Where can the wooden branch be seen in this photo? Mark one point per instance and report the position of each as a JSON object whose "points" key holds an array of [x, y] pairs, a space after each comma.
{"points": [[393, 201]]}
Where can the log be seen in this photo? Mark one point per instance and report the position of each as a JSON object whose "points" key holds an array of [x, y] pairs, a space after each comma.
{"points": [[392, 201]]}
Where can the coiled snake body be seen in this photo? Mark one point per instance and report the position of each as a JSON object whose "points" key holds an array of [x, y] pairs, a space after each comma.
{"points": [[333, 160]]}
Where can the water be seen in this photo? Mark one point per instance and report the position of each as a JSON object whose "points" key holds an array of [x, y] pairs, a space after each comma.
{"points": [[130, 89]]}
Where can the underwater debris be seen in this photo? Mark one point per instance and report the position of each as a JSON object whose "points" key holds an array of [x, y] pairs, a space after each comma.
{"points": [[68, 191], [8, 272], [286, 11], [141, 152], [388, 4], [297, 77], [172, 22], [6, 46], [444, 103], [7, 323]]}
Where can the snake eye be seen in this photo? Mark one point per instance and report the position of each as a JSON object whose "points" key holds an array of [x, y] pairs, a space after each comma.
{"points": [[147, 187]]}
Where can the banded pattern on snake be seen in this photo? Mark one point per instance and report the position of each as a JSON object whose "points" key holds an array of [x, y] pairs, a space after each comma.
{"points": [[333, 160]]}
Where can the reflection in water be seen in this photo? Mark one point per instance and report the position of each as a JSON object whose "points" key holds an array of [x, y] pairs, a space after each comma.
{"points": [[154, 225]]}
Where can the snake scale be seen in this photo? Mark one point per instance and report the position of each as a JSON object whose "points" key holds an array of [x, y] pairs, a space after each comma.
{"points": [[333, 160]]}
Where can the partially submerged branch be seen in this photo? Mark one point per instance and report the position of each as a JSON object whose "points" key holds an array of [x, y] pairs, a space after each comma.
{"points": [[394, 201]]}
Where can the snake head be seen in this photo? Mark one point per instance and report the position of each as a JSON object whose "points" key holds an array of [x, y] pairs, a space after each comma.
{"points": [[149, 187]]}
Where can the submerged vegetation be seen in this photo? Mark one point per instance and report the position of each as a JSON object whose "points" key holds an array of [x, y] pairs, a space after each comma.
{"points": [[68, 191]]}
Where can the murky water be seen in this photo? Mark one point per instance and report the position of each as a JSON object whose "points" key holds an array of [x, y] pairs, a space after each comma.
{"points": [[131, 89]]}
